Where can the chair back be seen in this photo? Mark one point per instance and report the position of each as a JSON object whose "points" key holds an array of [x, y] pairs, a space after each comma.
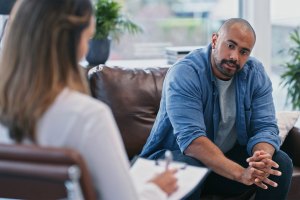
{"points": [[34, 172]]}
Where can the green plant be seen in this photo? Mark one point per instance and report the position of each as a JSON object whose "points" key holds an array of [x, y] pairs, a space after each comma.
{"points": [[291, 77], [111, 22]]}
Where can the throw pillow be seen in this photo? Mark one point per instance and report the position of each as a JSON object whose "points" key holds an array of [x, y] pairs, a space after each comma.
{"points": [[286, 121]]}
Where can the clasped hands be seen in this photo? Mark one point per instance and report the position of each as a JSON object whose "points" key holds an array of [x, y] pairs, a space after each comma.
{"points": [[261, 166]]}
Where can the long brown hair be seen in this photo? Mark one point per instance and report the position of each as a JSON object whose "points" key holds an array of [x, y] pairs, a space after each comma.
{"points": [[39, 59]]}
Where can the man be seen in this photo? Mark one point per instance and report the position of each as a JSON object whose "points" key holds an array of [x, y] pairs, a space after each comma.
{"points": [[217, 110]]}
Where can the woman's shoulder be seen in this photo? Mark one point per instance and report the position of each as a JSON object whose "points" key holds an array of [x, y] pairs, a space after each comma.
{"points": [[70, 115], [71, 102]]}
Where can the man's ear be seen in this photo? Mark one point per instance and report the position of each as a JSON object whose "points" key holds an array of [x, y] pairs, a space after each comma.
{"points": [[214, 39]]}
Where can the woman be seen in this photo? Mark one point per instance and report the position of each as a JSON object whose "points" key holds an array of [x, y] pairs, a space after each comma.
{"points": [[43, 95]]}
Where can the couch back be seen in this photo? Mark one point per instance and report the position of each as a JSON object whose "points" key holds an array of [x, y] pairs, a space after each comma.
{"points": [[133, 96]]}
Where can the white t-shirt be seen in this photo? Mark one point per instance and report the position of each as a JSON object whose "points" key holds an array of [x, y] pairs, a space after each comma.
{"points": [[226, 135], [80, 122]]}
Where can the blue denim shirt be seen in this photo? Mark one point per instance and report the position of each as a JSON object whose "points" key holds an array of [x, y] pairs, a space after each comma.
{"points": [[189, 106]]}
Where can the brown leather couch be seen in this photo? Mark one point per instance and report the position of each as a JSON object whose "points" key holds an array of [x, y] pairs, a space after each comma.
{"points": [[134, 97]]}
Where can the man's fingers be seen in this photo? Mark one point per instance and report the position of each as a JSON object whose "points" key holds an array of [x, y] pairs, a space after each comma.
{"points": [[265, 172], [265, 163], [274, 172], [262, 179], [259, 157], [270, 163], [266, 181], [260, 184], [258, 165], [259, 173]]}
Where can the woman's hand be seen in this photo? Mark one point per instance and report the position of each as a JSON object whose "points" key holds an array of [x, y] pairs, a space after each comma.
{"points": [[166, 181]]}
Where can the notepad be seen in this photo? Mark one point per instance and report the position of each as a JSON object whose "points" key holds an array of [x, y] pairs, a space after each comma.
{"points": [[188, 176]]}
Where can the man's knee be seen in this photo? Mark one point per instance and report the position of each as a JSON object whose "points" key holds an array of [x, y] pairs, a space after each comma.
{"points": [[285, 167], [284, 161]]}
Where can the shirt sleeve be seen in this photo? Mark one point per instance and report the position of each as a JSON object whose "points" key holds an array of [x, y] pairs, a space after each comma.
{"points": [[103, 149], [263, 125], [184, 104]]}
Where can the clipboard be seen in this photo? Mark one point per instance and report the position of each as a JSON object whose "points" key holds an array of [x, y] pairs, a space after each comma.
{"points": [[188, 176]]}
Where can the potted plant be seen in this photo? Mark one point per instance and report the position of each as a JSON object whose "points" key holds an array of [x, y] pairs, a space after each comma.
{"points": [[110, 24], [291, 77]]}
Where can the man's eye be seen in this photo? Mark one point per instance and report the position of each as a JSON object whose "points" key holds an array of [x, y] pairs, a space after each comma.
{"points": [[243, 52], [230, 46]]}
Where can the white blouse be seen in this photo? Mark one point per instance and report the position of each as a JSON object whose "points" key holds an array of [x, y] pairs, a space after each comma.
{"points": [[80, 122]]}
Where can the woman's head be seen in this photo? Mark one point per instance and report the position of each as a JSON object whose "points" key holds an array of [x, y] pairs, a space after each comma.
{"points": [[44, 42], [48, 31]]}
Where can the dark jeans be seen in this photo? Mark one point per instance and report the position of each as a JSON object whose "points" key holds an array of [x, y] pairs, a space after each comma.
{"points": [[216, 184]]}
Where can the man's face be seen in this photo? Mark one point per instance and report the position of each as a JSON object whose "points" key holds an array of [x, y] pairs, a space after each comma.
{"points": [[230, 51]]}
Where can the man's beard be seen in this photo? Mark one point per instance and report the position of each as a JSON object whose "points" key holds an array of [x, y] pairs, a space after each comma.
{"points": [[226, 72]]}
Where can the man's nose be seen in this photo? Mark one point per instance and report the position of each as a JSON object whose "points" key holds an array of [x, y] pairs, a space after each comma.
{"points": [[234, 55]]}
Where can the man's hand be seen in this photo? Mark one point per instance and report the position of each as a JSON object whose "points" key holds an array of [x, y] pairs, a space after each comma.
{"points": [[262, 162], [249, 177]]}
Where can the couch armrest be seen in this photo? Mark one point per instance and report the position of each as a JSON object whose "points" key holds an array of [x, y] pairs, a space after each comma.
{"points": [[291, 145]]}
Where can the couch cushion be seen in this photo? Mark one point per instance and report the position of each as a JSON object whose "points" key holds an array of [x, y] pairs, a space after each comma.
{"points": [[286, 121], [291, 145], [134, 97]]}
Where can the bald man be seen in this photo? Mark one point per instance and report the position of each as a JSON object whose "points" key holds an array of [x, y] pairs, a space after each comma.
{"points": [[217, 111]]}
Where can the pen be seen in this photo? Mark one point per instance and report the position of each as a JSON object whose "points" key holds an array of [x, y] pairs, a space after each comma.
{"points": [[168, 158]]}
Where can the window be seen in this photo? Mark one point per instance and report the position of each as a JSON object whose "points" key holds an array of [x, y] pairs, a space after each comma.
{"points": [[285, 18], [169, 23]]}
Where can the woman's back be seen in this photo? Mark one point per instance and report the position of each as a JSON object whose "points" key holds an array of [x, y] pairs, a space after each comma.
{"points": [[77, 121]]}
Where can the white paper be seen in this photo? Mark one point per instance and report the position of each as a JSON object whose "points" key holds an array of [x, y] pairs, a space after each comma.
{"points": [[188, 176]]}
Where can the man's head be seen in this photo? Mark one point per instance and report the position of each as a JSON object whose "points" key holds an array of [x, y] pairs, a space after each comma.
{"points": [[231, 47]]}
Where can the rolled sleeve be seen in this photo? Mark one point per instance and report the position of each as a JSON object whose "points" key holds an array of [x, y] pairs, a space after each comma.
{"points": [[266, 137], [186, 139], [184, 104]]}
